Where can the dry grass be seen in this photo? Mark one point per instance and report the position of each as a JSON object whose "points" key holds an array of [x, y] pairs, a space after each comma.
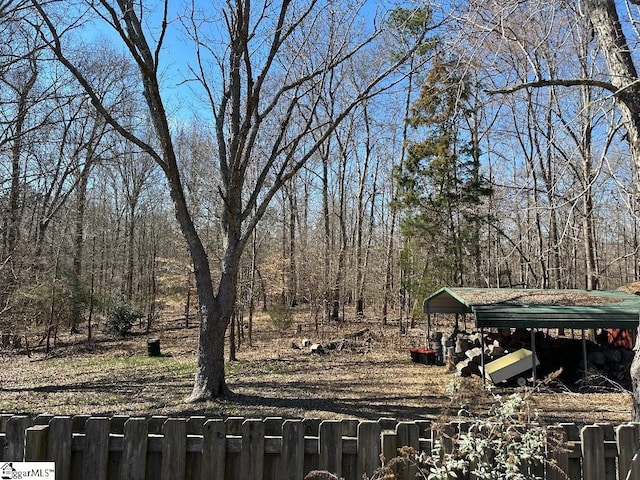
{"points": [[271, 378]]}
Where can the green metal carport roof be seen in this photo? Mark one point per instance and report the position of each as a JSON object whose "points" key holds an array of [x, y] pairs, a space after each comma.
{"points": [[531, 308]]}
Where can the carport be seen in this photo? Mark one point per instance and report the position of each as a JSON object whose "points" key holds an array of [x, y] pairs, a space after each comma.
{"points": [[536, 309]]}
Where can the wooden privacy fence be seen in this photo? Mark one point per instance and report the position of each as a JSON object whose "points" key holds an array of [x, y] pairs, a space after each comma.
{"points": [[130, 448]]}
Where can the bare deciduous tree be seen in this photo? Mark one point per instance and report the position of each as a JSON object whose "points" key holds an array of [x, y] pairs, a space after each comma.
{"points": [[270, 73]]}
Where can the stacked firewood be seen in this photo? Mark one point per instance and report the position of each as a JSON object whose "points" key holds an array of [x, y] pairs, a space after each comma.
{"points": [[464, 354]]}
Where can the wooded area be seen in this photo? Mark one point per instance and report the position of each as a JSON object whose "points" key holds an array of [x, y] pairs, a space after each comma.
{"points": [[325, 154]]}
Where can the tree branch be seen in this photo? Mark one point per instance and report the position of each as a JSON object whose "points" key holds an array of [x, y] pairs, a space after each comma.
{"points": [[588, 82]]}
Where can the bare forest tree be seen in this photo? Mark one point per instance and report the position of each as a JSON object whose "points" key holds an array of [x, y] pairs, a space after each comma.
{"points": [[264, 110]]}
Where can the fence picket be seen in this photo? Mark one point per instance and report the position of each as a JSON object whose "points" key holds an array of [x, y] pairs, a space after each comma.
{"points": [[273, 442], [557, 454], [15, 438], [95, 460], [369, 447], [214, 450], [36, 443], [292, 456], [408, 436], [330, 447], [252, 453], [593, 465], [628, 440], [174, 449], [134, 449], [59, 449]]}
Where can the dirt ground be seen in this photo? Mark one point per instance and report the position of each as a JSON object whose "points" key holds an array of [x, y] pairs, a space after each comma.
{"points": [[370, 377]]}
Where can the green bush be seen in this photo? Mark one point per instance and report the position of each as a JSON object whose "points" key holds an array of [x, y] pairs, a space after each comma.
{"points": [[281, 316], [121, 320]]}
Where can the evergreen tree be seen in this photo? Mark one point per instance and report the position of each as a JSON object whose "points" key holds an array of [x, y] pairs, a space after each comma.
{"points": [[440, 186]]}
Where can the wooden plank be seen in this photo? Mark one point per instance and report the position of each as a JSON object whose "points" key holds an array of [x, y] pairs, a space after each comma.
{"points": [[311, 426], [273, 446], [195, 425], [292, 457], [43, 419], [234, 425], [79, 422], [557, 455], [59, 448], [252, 454], [369, 448], [349, 447], [214, 450], [330, 447], [447, 438], [117, 423], [628, 439], [389, 447], [95, 459], [387, 423], [593, 466], [610, 469], [574, 469], [408, 434], [155, 424], [350, 427], [174, 449], [36, 443], [15, 438], [273, 426], [4, 418], [134, 449]]}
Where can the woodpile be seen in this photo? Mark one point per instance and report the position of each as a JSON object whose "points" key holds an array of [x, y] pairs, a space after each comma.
{"points": [[357, 342], [464, 354]]}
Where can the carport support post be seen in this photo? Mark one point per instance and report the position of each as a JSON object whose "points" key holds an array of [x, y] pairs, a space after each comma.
{"points": [[427, 334], [533, 357], [482, 356], [584, 357]]}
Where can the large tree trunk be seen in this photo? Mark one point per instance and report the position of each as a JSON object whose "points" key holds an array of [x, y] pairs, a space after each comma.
{"points": [[215, 314]]}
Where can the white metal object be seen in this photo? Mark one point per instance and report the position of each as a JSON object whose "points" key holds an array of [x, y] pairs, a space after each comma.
{"points": [[510, 365]]}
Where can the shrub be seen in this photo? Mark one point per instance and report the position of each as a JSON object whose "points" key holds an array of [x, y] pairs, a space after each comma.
{"points": [[121, 319], [281, 316], [507, 444]]}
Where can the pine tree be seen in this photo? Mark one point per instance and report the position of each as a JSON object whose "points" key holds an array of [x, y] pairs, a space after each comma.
{"points": [[440, 186]]}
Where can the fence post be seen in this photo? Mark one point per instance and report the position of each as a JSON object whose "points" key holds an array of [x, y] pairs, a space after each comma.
{"points": [[592, 453], [252, 453], [95, 458], [174, 449], [36, 443], [134, 450], [369, 447]]}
